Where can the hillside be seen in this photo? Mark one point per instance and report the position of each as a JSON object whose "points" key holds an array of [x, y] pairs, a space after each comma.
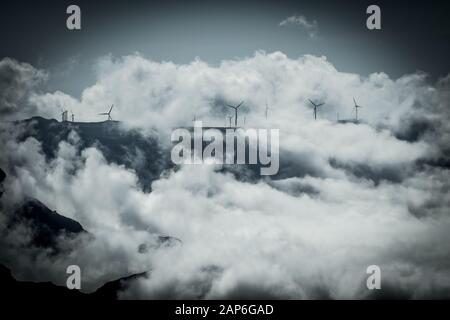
{"points": [[128, 147]]}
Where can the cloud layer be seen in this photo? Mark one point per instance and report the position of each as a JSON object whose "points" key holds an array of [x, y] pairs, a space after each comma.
{"points": [[347, 195], [16, 81]]}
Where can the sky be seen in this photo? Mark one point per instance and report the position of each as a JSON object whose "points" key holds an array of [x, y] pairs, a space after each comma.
{"points": [[414, 36], [347, 195]]}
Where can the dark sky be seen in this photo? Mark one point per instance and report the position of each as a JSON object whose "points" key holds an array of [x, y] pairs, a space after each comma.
{"points": [[414, 36]]}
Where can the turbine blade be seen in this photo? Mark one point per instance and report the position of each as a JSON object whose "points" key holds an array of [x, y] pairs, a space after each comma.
{"points": [[354, 101], [239, 104], [312, 103], [320, 104], [111, 108]]}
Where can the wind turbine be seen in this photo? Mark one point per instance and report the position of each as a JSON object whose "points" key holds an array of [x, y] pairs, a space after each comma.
{"points": [[356, 108], [235, 112], [316, 105], [107, 113]]}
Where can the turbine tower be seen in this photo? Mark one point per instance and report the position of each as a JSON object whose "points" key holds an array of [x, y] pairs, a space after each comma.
{"points": [[229, 118], [316, 105], [356, 108], [235, 112], [107, 113]]}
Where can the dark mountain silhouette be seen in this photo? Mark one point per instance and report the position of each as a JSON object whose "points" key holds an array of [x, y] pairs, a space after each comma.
{"points": [[110, 290], [48, 291], [129, 147], [34, 290], [47, 225], [161, 242]]}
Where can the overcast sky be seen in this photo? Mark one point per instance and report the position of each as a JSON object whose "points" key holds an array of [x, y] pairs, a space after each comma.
{"points": [[414, 36]]}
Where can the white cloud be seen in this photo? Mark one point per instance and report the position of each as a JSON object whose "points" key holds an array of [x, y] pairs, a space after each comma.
{"points": [[16, 82], [311, 27], [302, 236]]}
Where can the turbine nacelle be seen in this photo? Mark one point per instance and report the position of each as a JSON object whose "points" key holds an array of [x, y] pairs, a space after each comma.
{"points": [[235, 111], [316, 105], [356, 108], [107, 113]]}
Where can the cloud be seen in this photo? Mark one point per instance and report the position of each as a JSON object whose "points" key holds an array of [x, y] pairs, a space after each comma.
{"points": [[311, 27], [147, 93], [347, 196], [17, 80]]}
